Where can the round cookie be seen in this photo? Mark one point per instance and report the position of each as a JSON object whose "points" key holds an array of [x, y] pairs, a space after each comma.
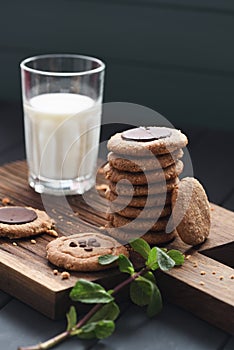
{"points": [[138, 224], [191, 210], [80, 252], [153, 238], [168, 173], [143, 140], [145, 213], [136, 165], [140, 201], [122, 189], [18, 222]]}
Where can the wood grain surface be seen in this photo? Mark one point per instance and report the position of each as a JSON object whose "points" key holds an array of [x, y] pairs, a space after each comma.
{"points": [[202, 285]]}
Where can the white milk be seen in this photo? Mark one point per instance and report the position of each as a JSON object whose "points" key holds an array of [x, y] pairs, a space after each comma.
{"points": [[62, 135]]}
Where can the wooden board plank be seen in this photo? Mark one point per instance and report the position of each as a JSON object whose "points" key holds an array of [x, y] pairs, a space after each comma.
{"points": [[26, 274]]}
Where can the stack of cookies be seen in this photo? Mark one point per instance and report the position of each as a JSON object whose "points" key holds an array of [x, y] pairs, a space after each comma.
{"points": [[143, 168]]}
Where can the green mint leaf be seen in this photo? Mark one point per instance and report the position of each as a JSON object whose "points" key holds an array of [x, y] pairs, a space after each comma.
{"points": [[177, 256], [164, 261], [141, 247], [109, 311], [104, 329], [90, 293], [107, 259], [71, 318], [150, 276], [152, 262], [125, 265], [140, 291], [100, 330], [155, 303]]}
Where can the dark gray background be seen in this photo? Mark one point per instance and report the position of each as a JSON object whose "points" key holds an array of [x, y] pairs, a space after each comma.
{"points": [[175, 56]]}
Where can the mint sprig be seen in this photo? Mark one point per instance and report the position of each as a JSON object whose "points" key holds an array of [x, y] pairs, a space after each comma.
{"points": [[99, 322]]}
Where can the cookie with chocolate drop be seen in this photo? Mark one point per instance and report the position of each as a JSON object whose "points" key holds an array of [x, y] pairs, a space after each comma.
{"points": [[143, 141], [18, 222], [80, 252]]}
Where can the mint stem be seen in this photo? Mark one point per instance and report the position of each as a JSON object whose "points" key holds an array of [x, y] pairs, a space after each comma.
{"points": [[64, 335]]}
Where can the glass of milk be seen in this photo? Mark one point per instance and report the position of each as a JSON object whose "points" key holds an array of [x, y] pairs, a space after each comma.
{"points": [[62, 98]]}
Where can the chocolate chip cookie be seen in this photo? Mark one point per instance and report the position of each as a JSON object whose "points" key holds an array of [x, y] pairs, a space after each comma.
{"points": [[143, 141], [18, 222], [80, 252]]}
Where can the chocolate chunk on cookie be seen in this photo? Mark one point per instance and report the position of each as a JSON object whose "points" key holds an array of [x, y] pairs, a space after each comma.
{"points": [[191, 210], [69, 253], [141, 178], [145, 140], [18, 222]]}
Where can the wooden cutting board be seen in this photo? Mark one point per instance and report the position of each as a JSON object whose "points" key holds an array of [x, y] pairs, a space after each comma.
{"points": [[204, 284]]}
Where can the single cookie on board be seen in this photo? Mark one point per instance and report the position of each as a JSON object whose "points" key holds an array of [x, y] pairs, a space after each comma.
{"points": [[191, 210], [145, 213], [80, 252], [140, 201], [153, 238], [139, 164], [126, 189], [18, 222], [143, 140], [138, 224], [168, 173]]}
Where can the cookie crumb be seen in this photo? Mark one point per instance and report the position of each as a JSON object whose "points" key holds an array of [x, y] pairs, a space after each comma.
{"points": [[6, 201], [232, 277], [15, 244], [195, 264], [187, 257], [202, 283], [102, 228], [52, 233], [102, 187], [212, 208], [69, 223], [55, 272], [33, 241], [221, 278], [213, 272], [65, 275], [202, 273]]}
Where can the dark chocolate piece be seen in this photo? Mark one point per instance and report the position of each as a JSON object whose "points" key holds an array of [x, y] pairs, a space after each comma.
{"points": [[96, 244], [82, 245], [145, 134], [17, 215], [82, 241], [73, 244], [88, 249]]}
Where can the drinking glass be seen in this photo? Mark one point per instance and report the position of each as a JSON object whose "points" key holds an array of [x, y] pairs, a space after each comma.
{"points": [[62, 99]]}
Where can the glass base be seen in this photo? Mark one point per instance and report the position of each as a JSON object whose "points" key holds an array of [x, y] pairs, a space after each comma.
{"points": [[61, 187]]}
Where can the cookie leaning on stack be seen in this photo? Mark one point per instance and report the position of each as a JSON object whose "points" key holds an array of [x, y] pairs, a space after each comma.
{"points": [[143, 168]]}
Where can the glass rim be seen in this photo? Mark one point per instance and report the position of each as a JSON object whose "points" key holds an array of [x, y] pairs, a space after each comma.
{"points": [[23, 65]]}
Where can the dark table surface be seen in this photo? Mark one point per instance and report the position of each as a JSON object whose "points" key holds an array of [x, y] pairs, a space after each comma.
{"points": [[212, 156]]}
